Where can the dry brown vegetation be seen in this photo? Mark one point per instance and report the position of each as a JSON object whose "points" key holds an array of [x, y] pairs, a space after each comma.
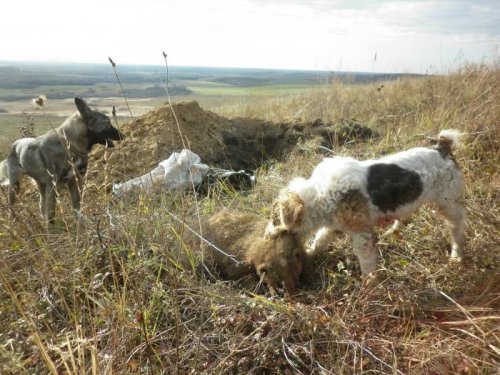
{"points": [[109, 295]]}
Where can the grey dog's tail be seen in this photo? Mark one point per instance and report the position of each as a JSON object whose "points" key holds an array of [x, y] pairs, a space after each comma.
{"points": [[4, 178]]}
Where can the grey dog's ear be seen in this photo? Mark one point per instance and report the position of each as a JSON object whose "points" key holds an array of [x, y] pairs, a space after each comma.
{"points": [[82, 107]]}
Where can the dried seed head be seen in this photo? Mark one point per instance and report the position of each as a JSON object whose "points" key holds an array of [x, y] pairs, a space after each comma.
{"points": [[112, 62], [40, 100]]}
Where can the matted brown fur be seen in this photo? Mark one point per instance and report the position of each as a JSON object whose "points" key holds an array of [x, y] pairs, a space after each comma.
{"points": [[288, 212], [352, 210], [241, 235]]}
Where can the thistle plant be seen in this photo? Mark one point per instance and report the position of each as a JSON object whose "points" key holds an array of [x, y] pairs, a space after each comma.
{"points": [[113, 65]]}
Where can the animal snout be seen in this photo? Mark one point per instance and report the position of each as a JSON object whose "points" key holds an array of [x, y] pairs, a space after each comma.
{"points": [[120, 136], [113, 135]]}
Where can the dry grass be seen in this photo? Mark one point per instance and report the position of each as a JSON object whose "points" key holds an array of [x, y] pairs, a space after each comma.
{"points": [[108, 295]]}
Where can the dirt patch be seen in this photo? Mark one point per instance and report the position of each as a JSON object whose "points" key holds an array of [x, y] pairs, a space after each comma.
{"points": [[238, 143], [330, 134]]}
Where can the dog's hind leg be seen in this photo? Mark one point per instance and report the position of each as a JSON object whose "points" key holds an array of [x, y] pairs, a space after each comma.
{"points": [[455, 218], [13, 191], [15, 174]]}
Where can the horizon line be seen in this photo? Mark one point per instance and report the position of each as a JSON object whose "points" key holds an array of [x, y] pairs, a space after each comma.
{"points": [[58, 62]]}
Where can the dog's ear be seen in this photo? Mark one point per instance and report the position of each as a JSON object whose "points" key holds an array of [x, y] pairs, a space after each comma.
{"points": [[82, 107], [292, 211]]}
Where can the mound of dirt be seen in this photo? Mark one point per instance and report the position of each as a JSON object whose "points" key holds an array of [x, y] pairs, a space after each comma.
{"points": [[239, 143], [227, 143]]}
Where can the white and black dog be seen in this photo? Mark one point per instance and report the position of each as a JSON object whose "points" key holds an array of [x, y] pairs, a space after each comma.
{"points": [[351, 196], [58, 157]]}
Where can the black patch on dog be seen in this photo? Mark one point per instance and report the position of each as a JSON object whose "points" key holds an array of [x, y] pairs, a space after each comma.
{"points": [[390, 186]]}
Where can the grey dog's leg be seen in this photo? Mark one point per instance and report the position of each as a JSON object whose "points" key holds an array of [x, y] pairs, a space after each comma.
{"points": [[43, 201], [13, 191], [15, 175], [74, 190], [50, 196]]}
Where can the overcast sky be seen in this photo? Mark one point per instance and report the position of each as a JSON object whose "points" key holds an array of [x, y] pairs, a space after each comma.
{"points": [[360, 35]]}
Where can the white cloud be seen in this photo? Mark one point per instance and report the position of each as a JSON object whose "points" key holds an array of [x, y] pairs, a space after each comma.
{"points": [[304, 34]]}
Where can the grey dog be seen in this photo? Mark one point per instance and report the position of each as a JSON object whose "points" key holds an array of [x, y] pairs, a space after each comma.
{"points": [[58, 158]]}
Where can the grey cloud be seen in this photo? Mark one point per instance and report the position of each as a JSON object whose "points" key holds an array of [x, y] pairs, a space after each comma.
{"points": [[445, 17], [464, 17]]}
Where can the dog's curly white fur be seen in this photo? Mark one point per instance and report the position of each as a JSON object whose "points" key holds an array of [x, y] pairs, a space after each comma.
{"points": [[351, 196]]}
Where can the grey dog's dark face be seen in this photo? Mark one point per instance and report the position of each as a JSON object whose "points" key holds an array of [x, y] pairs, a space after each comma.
{"points": [[100, 130]]}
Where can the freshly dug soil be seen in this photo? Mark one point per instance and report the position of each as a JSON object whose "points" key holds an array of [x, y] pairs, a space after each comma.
{"points": [[238, 143]]}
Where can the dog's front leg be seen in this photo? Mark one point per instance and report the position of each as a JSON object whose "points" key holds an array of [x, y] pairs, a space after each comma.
{"points": [[50, 204], [74, 190], [42, 188], [321, 241], [395, 228], [365, 250]]}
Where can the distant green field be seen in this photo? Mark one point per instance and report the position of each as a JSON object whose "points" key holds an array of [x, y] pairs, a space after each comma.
{"points": [[144, 88], [197, 88], [219, 89], [11, 124], [20, 81]]}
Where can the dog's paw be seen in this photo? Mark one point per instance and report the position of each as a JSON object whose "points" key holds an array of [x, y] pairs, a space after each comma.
{"points": [[311, 251], [395, 230], [455, 255], [371, 280], [78, 214], [454, 259]]}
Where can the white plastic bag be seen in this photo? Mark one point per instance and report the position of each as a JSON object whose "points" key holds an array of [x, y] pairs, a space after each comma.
{"points": [[183, 169], [178, 172]]}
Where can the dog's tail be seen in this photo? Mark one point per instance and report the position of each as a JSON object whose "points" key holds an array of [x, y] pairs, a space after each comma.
{"points": [[4, 178], [448, 140]]}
